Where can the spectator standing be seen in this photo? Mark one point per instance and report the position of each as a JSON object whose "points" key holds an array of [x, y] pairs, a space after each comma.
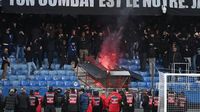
{"points": [[37, 52], [29, 59], [23, 101], [20, 42], [145, 102], [11, 101], [5, 63], [51, 48], [1, 101], [84, 101]]}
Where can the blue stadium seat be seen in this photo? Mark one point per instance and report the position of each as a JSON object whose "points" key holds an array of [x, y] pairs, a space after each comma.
{"points": [[47, 78], [12, 77], [147, 79], [156, 79], [134, 84], [21, 77], [59, 83], [133, 67], [142, 84], [56, 66], [137, 62], [61, 72], [34, 83], [51, 83], [6, 83], [42, 83], [144, 74], [70, 73], [72, 78], [67, 67], [149, 85], [67, 84], [15, 83], [24, 83], [39, 77], [43, 72], [53, 73], [43, 90], [65, 78], [57, 77]]}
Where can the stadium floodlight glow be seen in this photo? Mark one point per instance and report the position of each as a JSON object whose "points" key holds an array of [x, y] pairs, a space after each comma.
{"points": [[164, 9]]}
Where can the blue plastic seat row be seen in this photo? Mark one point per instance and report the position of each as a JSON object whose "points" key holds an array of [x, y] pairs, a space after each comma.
{"points": [[55, 72], [39, 83], [141, 84]]}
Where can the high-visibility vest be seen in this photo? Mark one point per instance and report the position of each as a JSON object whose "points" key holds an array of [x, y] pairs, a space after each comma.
{"points": [[171, 98], [114, 99], [129, 98], [182, 101], [96, 101], [50, 97], [32, 100], [72, 98], [156, 101]]}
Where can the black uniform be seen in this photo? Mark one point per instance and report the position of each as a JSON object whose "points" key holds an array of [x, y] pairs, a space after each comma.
{"points": [[97, 104], [145, 103], [11, 102], [73, 102], [23, 102]]}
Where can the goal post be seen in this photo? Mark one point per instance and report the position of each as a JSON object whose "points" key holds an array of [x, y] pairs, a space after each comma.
{"points": [[179, 92]]}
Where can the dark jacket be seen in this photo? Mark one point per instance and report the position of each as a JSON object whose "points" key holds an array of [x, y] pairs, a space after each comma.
{"points": [[11, 102], [145, 102], [5, 60], [23, 101], [84, 101]]}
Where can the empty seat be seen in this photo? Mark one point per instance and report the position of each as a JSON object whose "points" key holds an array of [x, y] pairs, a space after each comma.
{"points": [[12, 77], [47, 78], [59, 83], [67, 83], [141, 84], [24, 83], [39, 77], [21, 77], [70, 73], [156, 79], [15, 83], [57, 77], [147, 79], [67, 67], [65, 78], [52, 73], [51, 83], [134, 84], [72, 78], [42, 83], [6, 83], [34, 83], [61, 72], [43, 72]]}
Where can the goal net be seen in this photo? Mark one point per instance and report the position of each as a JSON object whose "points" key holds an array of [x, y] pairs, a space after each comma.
{"points": [[179, 92]]}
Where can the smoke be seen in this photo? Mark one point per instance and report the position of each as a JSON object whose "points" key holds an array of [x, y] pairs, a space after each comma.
{"points": [[110, 50]]}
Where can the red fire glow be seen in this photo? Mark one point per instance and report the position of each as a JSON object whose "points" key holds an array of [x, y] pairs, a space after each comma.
{"points": [[110, 50]]}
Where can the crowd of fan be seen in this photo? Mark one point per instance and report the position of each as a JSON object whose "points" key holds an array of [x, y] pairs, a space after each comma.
{"points": [[34, 38]]}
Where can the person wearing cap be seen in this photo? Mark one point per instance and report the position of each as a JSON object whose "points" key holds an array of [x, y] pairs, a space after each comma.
{"points": [[40, 99], [97, 103], [10, 101], [114, 101], [23, 99], [84, 100], [49, 102], [103, 97], [5, 63], [33, 102]]}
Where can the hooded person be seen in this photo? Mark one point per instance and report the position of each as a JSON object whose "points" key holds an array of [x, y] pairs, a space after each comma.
{"points": [[84, 100], [49, 102], [33, 102], [23, 99]]}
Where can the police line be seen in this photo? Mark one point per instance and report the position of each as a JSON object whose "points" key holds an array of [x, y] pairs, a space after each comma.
{"points": [[108, 7]]}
